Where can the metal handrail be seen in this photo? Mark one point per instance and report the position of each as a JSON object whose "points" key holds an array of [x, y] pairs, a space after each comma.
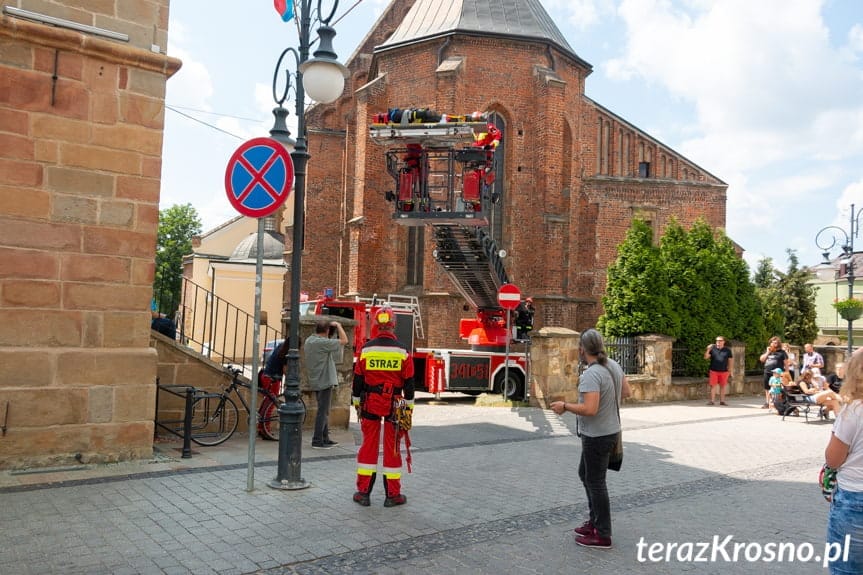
{"points": [[187, 392], [216, 328]]}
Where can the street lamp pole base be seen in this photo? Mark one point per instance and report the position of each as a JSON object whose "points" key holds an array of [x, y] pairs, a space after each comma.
{"points": [[286, 485]]}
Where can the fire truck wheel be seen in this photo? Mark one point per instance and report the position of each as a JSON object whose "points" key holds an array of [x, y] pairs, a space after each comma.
{"points": [[513, 388]]}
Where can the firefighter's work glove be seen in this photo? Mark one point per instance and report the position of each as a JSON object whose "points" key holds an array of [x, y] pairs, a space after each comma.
{"points": [[355, 401]]}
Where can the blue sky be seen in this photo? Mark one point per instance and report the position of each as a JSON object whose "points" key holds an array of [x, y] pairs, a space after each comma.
{"points": [[767, 95]]}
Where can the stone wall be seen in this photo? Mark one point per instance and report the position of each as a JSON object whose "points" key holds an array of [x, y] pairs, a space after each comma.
{"points": [[81, 120], [553, 366], [832, 355], [554, 371]]}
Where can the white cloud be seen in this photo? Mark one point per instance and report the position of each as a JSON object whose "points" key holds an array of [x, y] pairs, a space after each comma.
{"points": [[177, 34], [378, 6], [837, 134], [855, 39], [747, 66], [851, 194], [192, 85], [778, 113], [581, 14], [744, 63]]}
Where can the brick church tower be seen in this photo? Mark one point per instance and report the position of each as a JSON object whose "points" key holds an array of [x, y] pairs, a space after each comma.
{"points": [[571, 175]]}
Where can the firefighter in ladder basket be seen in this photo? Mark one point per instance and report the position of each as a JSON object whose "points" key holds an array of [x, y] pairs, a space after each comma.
{"points": [[383, 394]]}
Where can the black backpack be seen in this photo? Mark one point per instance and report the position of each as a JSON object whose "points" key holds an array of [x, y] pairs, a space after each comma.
{"points": [[780, 402]]}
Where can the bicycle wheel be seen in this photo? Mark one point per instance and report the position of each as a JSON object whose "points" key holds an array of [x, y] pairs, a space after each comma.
{"points": [[268, 420], [214, 419]]}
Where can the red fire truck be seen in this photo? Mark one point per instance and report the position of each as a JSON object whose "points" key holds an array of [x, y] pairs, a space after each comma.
{"points": [[443, 172], [478, 369]]}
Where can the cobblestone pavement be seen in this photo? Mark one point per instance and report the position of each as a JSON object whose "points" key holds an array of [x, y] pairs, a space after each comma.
{"points": [[493, 490]]}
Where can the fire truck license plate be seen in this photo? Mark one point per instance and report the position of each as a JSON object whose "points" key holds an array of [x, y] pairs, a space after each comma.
{"points": [[468, 373]]}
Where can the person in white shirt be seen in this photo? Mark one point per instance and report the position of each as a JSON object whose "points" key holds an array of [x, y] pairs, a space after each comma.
{"points": [[818, 379], [844, 453], [792, 360], [811, 358]]}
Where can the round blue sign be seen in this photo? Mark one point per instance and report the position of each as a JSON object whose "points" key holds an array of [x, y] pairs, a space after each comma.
{"points": [[259, 177]]}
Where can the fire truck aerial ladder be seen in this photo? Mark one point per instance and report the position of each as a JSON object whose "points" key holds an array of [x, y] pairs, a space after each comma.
{"points": [[443, 168]]}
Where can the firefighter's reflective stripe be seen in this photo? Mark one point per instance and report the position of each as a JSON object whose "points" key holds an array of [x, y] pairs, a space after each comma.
{"points": [[366, 471], [391, 473], [385, 348]]}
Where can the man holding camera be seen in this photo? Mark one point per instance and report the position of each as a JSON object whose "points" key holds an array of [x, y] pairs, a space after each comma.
{"points": [[321, 353]]}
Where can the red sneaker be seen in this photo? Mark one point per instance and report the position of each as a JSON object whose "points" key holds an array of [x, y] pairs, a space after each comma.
{"points": [[594, 540], [586, 528]]}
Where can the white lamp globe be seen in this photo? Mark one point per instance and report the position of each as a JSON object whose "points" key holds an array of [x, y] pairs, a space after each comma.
{"points": [[324, 81], [323, 75]]}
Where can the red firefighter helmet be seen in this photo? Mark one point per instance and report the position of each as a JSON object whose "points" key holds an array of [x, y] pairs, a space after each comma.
{"points": [[385, 318]]}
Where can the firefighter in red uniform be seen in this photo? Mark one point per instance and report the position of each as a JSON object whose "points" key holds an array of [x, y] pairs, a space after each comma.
{"points": [[383, 375]]}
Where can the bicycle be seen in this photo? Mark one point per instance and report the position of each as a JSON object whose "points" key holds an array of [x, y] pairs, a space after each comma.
{"points": [[215, 416]]}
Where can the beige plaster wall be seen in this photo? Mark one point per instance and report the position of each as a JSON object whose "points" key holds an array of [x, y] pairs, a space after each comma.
{"points": [[233, 282]]}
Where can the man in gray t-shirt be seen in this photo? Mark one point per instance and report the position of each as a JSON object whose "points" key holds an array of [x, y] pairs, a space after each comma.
{"points": [[321, 353]]}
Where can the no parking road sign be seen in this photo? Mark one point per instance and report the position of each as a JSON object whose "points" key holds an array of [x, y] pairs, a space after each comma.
{"points": [[508, 296], [259, 177]]}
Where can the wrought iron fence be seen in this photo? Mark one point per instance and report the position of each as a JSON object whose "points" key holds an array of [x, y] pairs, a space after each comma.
{"points": [[678, 360], [213, 327], [166, 295], [628, 352]]}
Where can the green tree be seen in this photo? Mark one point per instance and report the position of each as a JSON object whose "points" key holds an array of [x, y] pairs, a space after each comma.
{"points": [[636, 300], [693, 287], [177, 226], [702, 286], [770, 295], [765, 274], [748, 326], [798, 303]]}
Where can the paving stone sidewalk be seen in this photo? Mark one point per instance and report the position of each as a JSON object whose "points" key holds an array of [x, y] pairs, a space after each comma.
{"points": [[493, 490]]}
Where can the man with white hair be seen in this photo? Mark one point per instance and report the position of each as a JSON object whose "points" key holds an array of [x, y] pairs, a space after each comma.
{"points": [[811, 358]]}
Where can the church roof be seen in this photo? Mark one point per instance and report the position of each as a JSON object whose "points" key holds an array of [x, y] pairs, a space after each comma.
{"points": [[516, 19], [247, 249]]}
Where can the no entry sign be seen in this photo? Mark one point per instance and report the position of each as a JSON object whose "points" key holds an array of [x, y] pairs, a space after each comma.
{"points": [[508, 296], [259, 177]]}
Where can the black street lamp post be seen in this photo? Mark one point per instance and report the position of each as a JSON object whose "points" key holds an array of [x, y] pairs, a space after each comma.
{"points": [[324, 79], [845, 241]]}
